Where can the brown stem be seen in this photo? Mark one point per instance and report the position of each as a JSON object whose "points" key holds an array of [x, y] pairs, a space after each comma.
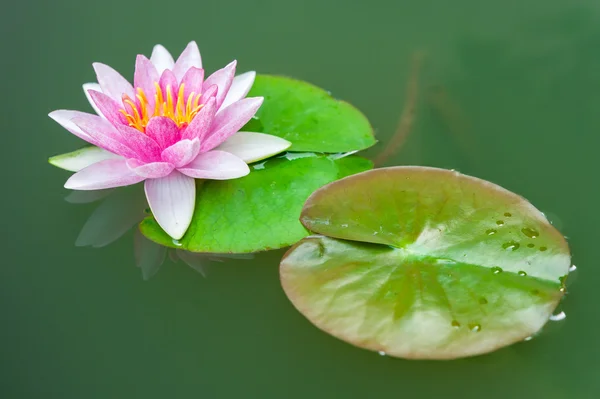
{"points": [[407, 116]]}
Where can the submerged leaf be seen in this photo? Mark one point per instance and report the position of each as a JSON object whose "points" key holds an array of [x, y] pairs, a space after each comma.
{"points": [[425, 263]]}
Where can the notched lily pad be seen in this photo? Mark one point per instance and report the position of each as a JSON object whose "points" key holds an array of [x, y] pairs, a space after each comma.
{"points": [[308, 117], [425, 263], [260, 211]]}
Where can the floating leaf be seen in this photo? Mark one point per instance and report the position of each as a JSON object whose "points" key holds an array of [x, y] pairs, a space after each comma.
{"points": [[259, 211], [425, 263], [308, 117]]}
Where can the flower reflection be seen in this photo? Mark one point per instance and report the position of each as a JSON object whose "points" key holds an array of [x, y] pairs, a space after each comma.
{"points": [[119, 212]]}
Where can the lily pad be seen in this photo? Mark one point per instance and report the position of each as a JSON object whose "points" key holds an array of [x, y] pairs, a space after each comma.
{"points": [[425, 263], [308, 116], [259, 211]]}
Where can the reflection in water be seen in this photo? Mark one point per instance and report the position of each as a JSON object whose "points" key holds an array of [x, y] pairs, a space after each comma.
{"points": [[86, 197], [407, 116], [123, 209], [116, 215], [149, 256], [451, 114]]}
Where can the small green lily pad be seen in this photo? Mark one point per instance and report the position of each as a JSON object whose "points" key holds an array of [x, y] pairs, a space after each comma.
{"points": [[259, 211], [425, 263], [308, 117]]}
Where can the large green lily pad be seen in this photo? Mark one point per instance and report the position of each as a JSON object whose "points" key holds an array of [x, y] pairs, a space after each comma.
{"points": [[259, 211], [308, 116], [425, 263]]}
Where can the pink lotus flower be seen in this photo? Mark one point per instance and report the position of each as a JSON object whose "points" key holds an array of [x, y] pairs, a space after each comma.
{"points": [[171, 127]]}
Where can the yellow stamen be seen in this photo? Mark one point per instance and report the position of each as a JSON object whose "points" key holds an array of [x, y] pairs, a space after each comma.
{"points": [[141, 96], [169, 104], [138, 113], [133, 107], [188, 107], [158, 99], [179, 107]]}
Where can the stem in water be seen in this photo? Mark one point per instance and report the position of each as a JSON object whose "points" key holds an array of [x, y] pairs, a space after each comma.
{"points": [[408, 113]]}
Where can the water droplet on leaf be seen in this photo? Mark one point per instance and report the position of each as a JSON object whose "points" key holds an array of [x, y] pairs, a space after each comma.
{"points": [[177, 243], [475, 327], [490, 232], [531, 233], [543, 249], [511, 246], [500, 222], [507, 214], [455, 324], [522, 273], [496, 270]]}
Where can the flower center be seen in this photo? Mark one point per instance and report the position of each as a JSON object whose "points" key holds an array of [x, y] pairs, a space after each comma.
{"points": [[138, 111]]}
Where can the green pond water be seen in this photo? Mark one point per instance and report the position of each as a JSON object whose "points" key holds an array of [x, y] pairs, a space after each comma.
{"points": [[509, 92]]}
